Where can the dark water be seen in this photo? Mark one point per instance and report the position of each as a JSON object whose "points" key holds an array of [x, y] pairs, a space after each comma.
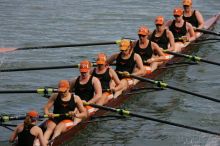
{"points": [[52, 22]]}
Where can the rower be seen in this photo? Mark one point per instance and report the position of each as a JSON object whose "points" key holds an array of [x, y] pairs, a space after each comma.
{"points": [[86, 86], [151, 54], [108, 78], [127, 61], [194, 17], [162, 36], [182, 30], [28, 133], [63, 102]]}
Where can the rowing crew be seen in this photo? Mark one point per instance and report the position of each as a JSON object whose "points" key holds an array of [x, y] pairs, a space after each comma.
{"points": [[103, 83]]}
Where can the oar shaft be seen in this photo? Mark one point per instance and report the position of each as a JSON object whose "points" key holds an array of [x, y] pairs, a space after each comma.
{"points": [[164, 85], [128, 113], [66, 46], [211, 62], [39, 68], [192, 58], [17, 91], [193, 93]]}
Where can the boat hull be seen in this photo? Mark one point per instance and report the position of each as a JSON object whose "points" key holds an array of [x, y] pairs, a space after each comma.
{"points": [[209, 24]]}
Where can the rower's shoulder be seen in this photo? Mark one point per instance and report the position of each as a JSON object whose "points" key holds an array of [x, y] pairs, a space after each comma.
{"points": [[168, 23]]}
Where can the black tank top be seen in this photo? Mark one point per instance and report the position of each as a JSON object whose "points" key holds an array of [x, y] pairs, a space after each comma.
{"points": [[162, 40], [145, 53], [63, 107], [25, 138], [125, 64], [104, 78], [192, 19], [84, 91], [178, 32]]}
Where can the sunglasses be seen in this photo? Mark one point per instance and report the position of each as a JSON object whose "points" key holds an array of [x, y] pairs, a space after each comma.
{"points": [[176, 16], [185, 6], [158, 24], [140, 35]]}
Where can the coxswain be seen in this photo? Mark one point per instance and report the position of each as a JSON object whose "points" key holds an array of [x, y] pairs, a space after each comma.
{"points": [[127, 61], [151, 54], [63, 102], [182, 30], [28, 133], [162, 36], [108, 78]]}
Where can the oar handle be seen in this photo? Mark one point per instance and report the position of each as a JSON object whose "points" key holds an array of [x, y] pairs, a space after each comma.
{"points": [[5, 118]]}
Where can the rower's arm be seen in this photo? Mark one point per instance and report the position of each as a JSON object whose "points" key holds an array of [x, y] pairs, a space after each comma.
{"points": [[72, 84], [112, 58], [171, 40], [50, 103], [40, 136], [191, 31], [98, 90], [82, 111], [115, 78], [168, 23], [159, 52], [200, 20], [14, 135], [139, 65]]}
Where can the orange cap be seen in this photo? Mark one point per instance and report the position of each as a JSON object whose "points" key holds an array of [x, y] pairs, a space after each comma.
{"points": [[84, 66], [178, 11], [125, 44], [101, 59], [33, 114], [63, 85], [143, 30], [159, 20], [187, 2]]}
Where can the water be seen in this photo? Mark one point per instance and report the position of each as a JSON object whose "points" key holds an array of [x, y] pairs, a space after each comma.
{"points": [[34, 23]]}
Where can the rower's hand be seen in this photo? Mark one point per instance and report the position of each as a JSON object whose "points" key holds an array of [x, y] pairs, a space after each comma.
{"points": [[149, 61], [126, 74], [185, 39], [50, 115], [72, 113], [112, 90]]}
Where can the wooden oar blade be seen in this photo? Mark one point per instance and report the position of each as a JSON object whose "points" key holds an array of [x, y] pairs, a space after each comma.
{"points": [[4, 50]]}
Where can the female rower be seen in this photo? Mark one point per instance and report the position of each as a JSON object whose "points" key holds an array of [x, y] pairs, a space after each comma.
{"points": [[108, 78], [151, 54], [162, 36], [182, 30], [127, 61], [28, 133], [63, 102], [194, 17]]}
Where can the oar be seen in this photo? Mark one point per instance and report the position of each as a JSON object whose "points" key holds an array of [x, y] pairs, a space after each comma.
{"points": [[129, 113], [2, 50], [40, 68], [192, 58], [5, 118], [44, 68], [207, 31], [165, 85], [39, 91]]}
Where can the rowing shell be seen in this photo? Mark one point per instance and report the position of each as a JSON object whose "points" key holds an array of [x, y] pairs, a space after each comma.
{"points": [[115, 102]]}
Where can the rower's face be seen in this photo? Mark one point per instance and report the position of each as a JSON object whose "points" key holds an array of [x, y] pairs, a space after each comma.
{"points": [[125, 52], [159, 27], [186, 8], [84, 74], [142, 37], [177, 17], [100, 66], [65, 93]]}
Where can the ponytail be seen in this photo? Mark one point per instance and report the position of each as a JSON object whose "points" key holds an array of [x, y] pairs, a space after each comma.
{"points": [[27, 121]]}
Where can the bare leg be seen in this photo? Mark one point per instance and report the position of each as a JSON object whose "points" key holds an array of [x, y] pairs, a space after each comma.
{"points": [[50, 128]]}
